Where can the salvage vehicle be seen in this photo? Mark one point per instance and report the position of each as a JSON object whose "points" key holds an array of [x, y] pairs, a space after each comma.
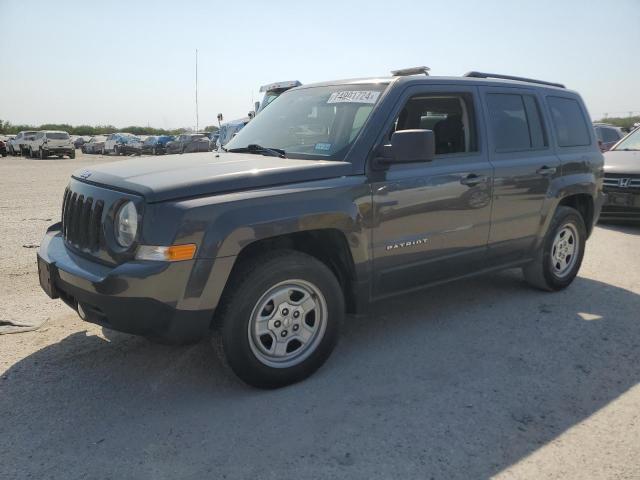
{"points": [[116, 143], [273, 91], [156, 144], [333, 198], [17, 145], [622, 180], [608, 135], [189, 143], [228, 130], [50, 142], [94, 145]]}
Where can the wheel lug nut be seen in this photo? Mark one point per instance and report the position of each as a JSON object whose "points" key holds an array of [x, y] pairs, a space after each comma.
{"points": [[277, 324], [296, 327], [296, 314], [283, 333], [285, 311]]}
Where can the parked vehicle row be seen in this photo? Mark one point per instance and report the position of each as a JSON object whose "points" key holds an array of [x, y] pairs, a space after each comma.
{"points": [[41, 144]]}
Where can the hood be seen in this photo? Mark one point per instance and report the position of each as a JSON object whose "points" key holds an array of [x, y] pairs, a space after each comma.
{"points": [[619, 161], [178, 176]]}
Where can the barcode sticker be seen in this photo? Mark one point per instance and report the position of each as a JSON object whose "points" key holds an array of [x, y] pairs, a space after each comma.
{"points": [[354, 96]]}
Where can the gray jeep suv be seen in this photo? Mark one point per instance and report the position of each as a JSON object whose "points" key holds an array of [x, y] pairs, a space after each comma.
{"points": [[338, 195]]}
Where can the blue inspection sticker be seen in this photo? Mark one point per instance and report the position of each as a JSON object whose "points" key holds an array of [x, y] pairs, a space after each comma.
{"points": [[323, 146]]}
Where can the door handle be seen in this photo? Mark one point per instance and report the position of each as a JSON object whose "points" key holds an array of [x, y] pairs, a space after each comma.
{"points": [[472, 180], [546, 170]]}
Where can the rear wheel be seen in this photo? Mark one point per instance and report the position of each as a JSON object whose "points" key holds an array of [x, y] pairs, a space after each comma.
{"points": [[559, 258], [72, 154], [280, 318]]}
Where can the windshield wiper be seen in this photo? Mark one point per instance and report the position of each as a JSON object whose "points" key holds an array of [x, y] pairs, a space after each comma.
{"points": [[255, 148]]}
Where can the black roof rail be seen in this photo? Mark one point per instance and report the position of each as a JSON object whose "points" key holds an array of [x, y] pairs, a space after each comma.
{"points": [[511, 77]]}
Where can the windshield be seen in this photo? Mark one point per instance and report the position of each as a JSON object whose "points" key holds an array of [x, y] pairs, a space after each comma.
{"points": [[630, 142], [58, 135], [316, 123]]}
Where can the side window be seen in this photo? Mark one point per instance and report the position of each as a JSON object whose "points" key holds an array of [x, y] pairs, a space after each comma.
{"points": [[451, 117], [569, 122], [516, 123]]}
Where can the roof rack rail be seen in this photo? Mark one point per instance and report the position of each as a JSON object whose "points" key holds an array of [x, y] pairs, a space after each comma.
{"points": [[511, 77]]}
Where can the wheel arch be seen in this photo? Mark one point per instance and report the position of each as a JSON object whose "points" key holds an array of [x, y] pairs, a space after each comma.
{"points": [[328, 245]]}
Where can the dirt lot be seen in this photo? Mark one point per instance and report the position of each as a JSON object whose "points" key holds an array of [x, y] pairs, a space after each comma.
{"points": [[475, 379]]}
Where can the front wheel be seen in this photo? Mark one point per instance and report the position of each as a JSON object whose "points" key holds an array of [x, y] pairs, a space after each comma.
{"points": [[559, 257], [280, 318]]}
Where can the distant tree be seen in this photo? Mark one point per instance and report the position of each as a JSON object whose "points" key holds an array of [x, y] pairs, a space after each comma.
{"points": [[211, 128]]}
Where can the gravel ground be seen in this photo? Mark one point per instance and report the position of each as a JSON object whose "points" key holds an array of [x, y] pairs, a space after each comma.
{"points": [[481, 378]]}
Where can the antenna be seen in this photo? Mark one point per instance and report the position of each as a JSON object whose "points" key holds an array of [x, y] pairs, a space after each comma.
{"points": [[197, 118]]}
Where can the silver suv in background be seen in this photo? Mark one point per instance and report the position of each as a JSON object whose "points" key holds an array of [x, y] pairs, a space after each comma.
{"points": [[622, 180], [17, 144], [50, 142], [607, 135]]}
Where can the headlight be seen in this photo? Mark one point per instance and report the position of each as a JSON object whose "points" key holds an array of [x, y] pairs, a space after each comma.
{"points": [[126, 224]]}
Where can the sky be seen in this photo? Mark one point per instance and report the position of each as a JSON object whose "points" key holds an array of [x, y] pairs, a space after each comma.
{"points": [[133, 62]]}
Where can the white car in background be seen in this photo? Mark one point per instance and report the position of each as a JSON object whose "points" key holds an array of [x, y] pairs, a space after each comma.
{"points": [[116, 143], [50, 142], [17, 144]]}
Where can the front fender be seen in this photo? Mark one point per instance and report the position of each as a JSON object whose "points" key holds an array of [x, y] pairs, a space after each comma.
{"points": [[223, 225]]}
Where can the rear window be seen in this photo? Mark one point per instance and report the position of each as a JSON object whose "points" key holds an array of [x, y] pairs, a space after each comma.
{"points": [[609, 135], [569, 122], [515, 122], [58, 135]]}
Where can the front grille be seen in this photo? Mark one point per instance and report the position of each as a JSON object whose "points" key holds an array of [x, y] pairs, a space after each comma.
{"points": [[621, 181], [81, 220]]}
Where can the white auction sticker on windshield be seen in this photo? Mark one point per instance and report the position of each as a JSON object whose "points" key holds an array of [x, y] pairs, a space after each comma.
{"points": [[354, 96]]}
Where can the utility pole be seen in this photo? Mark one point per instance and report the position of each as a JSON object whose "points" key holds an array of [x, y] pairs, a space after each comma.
{"points": [[197, 117]]}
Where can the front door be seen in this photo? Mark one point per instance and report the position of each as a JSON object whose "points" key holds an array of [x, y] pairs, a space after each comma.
{"points": [[431, 219]]}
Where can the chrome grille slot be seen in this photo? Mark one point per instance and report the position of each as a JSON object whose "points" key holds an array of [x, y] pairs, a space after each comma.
{"points": [[621, 181], [81, 220]]}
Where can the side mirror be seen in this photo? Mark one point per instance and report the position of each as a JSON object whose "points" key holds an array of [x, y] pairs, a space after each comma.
{"points": [[410, 146]]}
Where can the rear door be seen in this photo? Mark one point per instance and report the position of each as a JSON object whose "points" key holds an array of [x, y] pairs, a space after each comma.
{"points": [[431, 219], [525, 165]]}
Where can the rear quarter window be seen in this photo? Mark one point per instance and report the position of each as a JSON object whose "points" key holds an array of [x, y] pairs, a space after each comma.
{"points": [[569, 122]]}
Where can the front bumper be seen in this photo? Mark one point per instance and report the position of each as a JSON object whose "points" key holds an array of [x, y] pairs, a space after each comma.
{"points": [[621, 206], [138, 297]]}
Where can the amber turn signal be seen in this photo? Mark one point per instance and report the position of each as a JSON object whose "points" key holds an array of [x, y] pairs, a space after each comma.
{"points": [[174, 253]]}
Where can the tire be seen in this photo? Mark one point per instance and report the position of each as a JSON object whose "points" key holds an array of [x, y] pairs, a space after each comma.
{"points": [[102, 151], [41, 154], [558, 259], [155, 151], [116, 150], [72, 155], [298, 279]]}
